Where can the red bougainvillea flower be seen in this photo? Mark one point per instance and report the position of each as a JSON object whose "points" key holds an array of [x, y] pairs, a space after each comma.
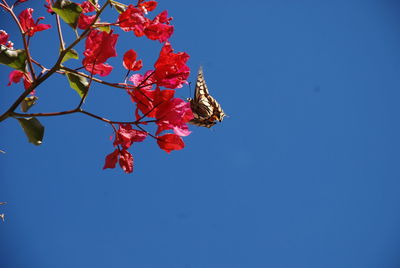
{"points": [[149, 101], [126, 136], [133, 19], [130, 62], [28, 24], [174, 114], [170, 142], [148, 6], [85, 21], [159, 28], [102, 69], [171, 69], [15, 77], [88, 7], [99, 47], [125, 160], [48, 6], [171, 113], [145, 81], [3, 37], [111, 159]]}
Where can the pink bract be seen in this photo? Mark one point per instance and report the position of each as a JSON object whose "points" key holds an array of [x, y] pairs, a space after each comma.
{"points": [[28, 24], [170, 142]]}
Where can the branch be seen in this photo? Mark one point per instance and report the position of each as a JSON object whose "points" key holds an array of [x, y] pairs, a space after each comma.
{"points": [[54, 69], [136, 122], [151, 135], [116, 85], [59, 31]]}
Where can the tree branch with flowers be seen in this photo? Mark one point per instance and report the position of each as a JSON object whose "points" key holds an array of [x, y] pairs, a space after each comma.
{"points": [[151, 91]]}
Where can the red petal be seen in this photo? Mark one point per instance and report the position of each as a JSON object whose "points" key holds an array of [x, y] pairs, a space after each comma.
{"points": [[126, 136], [111, 159], [3, 37], [100, 46], [48, 6], [170, 142], [126, 161], [28, 24], [149, 5], [133, 20], [28, 83], [102, 69], [87, 7], [15, 77], [171, 69], [160, 32], [25, 19], [85, 21], [130, 62], [145, 81], [38, 28]]}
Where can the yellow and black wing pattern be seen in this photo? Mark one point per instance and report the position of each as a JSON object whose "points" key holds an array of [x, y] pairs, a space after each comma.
{"points": [[206, 110]]}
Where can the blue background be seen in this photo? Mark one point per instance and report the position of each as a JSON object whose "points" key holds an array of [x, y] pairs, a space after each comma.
{"points": [[304, 173]]}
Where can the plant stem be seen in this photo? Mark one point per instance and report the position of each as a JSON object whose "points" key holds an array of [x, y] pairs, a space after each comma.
{"points": [[116, 85], [80, 111], [60, 36]]}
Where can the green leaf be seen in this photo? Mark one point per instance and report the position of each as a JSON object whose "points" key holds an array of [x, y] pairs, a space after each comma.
{"points": [[68, 11], [71, 54], [120, 8], [106, 29], [33, 129], [28, 102], [78, 83], [13, 58]]}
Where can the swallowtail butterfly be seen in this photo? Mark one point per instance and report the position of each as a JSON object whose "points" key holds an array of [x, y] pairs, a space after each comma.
{"points": [[206, 110]]}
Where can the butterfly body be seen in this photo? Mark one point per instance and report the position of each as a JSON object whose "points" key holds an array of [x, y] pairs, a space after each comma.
{"points": [[206, 110]]}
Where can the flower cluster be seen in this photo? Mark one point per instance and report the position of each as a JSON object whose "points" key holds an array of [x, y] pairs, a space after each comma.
{"points": [[152, 91], [170, 71]]}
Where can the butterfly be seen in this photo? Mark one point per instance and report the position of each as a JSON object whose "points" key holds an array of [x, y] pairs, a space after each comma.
{"points": [[206, 110]]}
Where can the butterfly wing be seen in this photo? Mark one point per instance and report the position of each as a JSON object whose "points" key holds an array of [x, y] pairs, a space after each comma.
{"points": [[206, 110], [201, 106], [201, 89], [202, 123]]}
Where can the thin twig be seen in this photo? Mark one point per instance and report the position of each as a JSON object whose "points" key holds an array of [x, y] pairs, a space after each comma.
{"points": [[136, 122], [44, 114], [116, 85], [59, 31], [151, 135]]}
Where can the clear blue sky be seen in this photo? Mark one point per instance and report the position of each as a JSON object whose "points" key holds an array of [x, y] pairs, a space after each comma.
{"points": [[304, 173]]}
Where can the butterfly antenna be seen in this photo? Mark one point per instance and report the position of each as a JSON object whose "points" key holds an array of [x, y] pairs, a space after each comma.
{"points": [[190, 89]]}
